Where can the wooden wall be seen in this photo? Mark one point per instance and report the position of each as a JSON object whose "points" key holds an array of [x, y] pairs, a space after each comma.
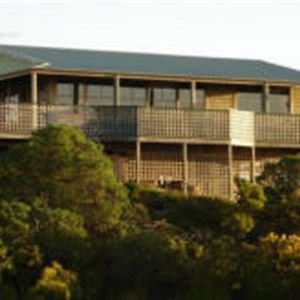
{"points": [[220, 99], [295, 99]]}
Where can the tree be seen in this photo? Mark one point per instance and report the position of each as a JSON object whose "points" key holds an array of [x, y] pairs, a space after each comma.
{"points": [[63, 168]]}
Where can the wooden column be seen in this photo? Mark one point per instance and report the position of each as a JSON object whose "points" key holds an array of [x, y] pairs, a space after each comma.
{"points": [[34, 99], [76, 93], [193, 93], [253, 160], [265, 95], [117, 93], [177, 98], [138, 161], [230, 171], [185, 167]]}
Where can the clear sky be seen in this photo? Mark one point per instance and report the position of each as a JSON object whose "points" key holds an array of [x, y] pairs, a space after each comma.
{"points": [[268, 30]]}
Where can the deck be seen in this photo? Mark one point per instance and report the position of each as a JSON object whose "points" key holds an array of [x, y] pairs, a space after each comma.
{"points": [[238, 128]]}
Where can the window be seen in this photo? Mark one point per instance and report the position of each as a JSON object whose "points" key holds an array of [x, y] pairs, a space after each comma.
{"points": [[134, 96], [250, 102], [98, 95], [200, 99], [164, 97], [278, 103], [184, 98], [65, 93]]}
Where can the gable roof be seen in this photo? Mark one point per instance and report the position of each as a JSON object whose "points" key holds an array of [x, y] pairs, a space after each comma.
{"points": [[15, 58]]}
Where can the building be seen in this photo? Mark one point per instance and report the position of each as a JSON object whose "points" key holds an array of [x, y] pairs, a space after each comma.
{"points": [[191, 123]]}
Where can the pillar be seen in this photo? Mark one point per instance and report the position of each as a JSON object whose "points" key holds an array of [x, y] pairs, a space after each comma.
{"points": [[34, 99], [230, 171], [266, 92], [185, 167], [193, 94], [253, 160], [138, 161], [117, 90]]}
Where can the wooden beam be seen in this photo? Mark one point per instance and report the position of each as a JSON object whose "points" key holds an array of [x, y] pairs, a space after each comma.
{"points": [[34, 99], [230, 171], [76, 93], [193, 93], [138, 162], [160, 77], [265, 97], [253, 161], [185, 167], [34, 88], [177, 98], [117, 94]]}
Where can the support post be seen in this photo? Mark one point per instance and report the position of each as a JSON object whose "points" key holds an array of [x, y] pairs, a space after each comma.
{"points": [[76, 93], [34, 99], [253, 160], [266, 92], [185, 167], [177, 96], [138, 162], [117, 90], [230, 171], [193, 94]]}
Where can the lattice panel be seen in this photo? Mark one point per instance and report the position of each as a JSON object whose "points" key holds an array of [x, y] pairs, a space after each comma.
{"points": [[242, 163], [208, 170], [161, 161], [277, 128]]}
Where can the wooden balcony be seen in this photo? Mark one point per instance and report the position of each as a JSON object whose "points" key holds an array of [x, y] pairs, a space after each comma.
{"points": [[131, 123], [277, 130], [156, 124]]}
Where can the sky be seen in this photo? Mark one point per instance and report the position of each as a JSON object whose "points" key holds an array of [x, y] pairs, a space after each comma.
{"points": [[266, 29]]}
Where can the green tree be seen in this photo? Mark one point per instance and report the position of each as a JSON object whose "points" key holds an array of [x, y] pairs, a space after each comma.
{"points": [[63, 168]]}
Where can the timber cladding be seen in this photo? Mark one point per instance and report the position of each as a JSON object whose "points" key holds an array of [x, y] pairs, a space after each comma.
{"points": [[220, 99], [295, 99]]}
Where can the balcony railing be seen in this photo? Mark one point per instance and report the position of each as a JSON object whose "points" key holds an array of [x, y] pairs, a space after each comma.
{"points": [[277, 130], [119, 123], [125, 123]]}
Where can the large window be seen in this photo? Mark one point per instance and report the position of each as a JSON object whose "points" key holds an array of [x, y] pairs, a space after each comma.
{"points": [[278, 103], [164, 97], [65, 93], [185, 99], [133, 96], [98, 94], [250, 101]]}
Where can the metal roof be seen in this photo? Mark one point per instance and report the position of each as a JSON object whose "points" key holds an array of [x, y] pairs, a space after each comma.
{"points": [[14, 58]]}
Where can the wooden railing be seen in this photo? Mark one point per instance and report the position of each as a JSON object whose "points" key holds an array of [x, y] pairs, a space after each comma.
{"points": [[123, 123], [277, 129], [119, 123], [212, 125]]}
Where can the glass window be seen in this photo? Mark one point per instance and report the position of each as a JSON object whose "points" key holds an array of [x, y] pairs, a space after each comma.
{"points": [[164, 97], [278, 103], [65, 93], [250, 102], [200, 100], [133, 96], [184, 98], [98, 95]]}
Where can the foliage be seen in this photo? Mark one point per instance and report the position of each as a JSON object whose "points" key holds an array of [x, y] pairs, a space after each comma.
{"points": [[62, 168], [70, 231], [56, 283]]}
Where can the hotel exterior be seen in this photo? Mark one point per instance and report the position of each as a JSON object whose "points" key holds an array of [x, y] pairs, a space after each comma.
{"points": [[189, 123]]}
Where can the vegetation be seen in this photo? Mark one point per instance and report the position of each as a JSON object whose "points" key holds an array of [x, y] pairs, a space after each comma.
{"points": [[69, 230]]}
